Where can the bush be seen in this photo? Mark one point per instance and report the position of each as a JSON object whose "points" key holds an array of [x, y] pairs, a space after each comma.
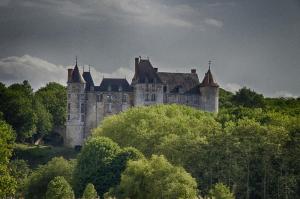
{"points": [[155, 178], [89, 192], [36, 185], [59, 188], [101, 162], [220, 191]]}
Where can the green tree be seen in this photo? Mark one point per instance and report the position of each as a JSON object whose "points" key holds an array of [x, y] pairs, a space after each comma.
{"points": [[59, 188], [20, 171], [44, 122], [54, 97], [7, 138], [89, 192], [220, 191], [37, 182], [155, 178], [248, 98], [100, 162]]}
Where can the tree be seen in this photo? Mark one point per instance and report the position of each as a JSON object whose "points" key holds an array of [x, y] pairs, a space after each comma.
{"points": [[59, 188], [54, 97], [44, 122], [37, 182], [220, 191], [89, 192], [20, 171], [16, 106], [7, 182], [101, 162], [155, 178], [248, 98]]}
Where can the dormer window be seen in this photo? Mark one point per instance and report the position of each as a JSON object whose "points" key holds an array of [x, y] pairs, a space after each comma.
{"points": [[109, 88]]}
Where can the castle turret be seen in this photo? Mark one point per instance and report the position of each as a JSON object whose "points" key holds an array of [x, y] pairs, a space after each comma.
{"points": [[209, 91], [75, 108]]}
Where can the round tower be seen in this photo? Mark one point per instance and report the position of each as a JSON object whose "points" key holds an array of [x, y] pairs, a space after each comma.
{"points": [[209, 91], [75, 108]]}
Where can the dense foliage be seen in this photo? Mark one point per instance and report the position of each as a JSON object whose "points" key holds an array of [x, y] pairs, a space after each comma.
{"points": [[59, 188], [33, 114], [155, 178], [101, 162], [89, 192], [251, 150], [220, 191], [7, 182], [37, 182]]}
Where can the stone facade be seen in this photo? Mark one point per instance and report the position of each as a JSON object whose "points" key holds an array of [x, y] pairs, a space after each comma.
{"points": [[88, 104]]}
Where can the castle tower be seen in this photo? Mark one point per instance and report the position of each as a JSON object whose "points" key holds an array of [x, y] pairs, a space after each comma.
{"points": [[75, 108], [209, 91], [148, 88]]}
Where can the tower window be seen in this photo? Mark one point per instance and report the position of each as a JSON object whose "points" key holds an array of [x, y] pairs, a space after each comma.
{"points": [[68, 117], [147, 97], [153, 97], [69, 96], [82, 108], [124, 98], [99, 98], [82, 118], [69, 107]]}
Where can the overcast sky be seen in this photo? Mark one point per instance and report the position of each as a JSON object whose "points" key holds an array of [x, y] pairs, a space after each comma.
{"points": [[253, 43]]}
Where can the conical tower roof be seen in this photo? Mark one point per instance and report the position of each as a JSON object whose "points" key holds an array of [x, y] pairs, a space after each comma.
{"points": [[76, 76], [208, 80]]}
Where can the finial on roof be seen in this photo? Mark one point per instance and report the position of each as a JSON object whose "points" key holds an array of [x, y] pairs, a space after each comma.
{"points": [[209, 63], [76, 60]]}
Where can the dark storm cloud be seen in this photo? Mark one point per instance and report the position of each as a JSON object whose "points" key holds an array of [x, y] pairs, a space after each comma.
{"points": [[252, 43]]}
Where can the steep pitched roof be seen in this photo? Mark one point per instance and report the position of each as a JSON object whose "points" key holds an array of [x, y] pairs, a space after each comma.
{"points": [[186, 82], [76, 76], [88, 79], [208, 80], [145, 72], [114, 85]]}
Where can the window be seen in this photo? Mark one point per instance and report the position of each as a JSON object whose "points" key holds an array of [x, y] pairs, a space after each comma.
{"points": [[109, 88], [109, 98], [153, 97], [69, 96], [147, 97], [165, 89], [68, 117], [82, 118], [82, 108], [124, 98], [69, 107], [99, 98], [153, 87]]}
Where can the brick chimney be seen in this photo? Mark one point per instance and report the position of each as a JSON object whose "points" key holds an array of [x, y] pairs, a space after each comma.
{"points": [[70, 71], [193, 71], [155, 69]]}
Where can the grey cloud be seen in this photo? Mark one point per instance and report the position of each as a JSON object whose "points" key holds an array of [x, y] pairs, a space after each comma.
{"points": [[39, 72]]}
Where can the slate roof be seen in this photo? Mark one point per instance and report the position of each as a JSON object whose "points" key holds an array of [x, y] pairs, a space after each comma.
{"points": [[114, 85], [88, 79], [186, 82], [76, 76], [145, 72], [208, 80]]}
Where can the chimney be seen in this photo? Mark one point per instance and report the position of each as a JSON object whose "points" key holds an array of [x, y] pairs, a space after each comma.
{"points": [[136, 61], [70, 71], [155, 69], [193, 71]]}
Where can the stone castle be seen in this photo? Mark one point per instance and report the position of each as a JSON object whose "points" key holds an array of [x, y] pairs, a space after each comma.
{"points": [[88, 104]]}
